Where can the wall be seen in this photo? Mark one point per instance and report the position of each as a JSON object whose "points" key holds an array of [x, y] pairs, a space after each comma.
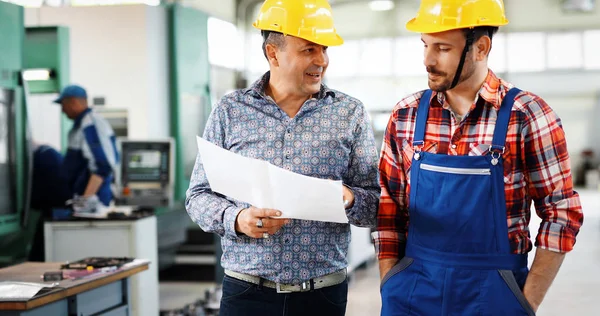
{"points": [[118, 52], [222, 9], [44, 117], [157, 65]]}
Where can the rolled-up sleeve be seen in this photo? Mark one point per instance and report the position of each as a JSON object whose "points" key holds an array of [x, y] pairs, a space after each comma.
{"points": [[550, 183], [213, 212], [392, 217]]}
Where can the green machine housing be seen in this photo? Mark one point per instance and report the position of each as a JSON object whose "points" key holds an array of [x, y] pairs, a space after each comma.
{"points": [[42, 48], [14, 159]]}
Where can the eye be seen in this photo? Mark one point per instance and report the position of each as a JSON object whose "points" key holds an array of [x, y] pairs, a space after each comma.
{"points": [[325, 48], [444, 49]]}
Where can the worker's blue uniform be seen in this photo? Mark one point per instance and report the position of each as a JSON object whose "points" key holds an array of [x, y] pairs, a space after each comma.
{"points": [[92, 150], [458, 259], [48, 186]]}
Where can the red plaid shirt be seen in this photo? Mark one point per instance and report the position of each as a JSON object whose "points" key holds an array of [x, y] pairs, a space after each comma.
{"points": [[536, 166]]}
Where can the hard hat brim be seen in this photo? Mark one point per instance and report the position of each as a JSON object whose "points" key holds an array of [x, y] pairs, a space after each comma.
{"points": [[324, 39], [414, 26]]}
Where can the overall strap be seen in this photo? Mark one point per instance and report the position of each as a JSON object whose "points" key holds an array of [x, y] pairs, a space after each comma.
{"points": [[422, 114], [503, 119]]}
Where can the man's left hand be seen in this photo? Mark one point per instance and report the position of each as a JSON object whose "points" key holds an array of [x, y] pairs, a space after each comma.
{"points": [[85, 204], [533, 303], [348, 197]]}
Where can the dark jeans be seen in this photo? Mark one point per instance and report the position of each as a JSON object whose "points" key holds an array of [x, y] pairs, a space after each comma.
{"points": [[241, 298]]}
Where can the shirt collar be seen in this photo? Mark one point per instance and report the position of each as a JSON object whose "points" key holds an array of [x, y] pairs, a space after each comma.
{"points": [[258, 87], [490, 92], [80, 117]]}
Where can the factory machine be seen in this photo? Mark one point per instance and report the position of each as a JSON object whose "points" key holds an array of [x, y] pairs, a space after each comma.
{"points": [[33, 62]]}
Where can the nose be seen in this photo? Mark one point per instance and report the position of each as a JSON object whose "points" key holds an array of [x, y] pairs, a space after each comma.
{"points": [[429, 58], [321, 59]]}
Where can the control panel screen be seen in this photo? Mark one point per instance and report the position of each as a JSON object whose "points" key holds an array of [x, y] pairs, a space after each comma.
{"points": [[145, 162]]}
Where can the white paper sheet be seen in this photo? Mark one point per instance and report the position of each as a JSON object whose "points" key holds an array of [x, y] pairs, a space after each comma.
{"points": [[267, 186], [20, 291]]}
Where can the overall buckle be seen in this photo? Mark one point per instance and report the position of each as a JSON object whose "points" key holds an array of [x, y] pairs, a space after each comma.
{"points": [[496, 152], [417, 148]]}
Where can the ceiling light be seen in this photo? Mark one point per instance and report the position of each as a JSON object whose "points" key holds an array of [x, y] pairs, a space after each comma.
{"points": [[381, 5]]}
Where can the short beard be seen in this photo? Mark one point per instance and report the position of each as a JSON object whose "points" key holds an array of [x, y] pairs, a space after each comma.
{"points": [[467, 71]]}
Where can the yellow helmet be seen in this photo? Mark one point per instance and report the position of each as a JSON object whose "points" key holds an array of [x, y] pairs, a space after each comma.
{"points": [[443, 15], [311, 20]]}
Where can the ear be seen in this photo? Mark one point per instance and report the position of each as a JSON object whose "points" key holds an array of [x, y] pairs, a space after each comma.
{"points": [[482, 48], [272, 51]]}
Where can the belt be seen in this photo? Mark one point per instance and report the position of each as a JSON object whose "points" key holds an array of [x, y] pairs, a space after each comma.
{"points": [[332, 279]]}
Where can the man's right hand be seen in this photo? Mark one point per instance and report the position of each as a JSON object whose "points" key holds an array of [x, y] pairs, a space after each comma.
{"points": [[385, 265], [248, 218]]}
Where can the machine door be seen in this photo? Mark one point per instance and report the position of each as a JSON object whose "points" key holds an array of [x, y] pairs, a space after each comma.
{"points": [[7, 152]]}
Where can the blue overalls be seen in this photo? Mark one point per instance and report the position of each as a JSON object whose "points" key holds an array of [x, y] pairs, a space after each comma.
{"points": [[458, 259]]}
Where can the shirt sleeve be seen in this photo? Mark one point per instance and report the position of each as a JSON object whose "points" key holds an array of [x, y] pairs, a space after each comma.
{"points": [[98, 152], [362, 175], [549, 180], [392, 218], [213, 212]]}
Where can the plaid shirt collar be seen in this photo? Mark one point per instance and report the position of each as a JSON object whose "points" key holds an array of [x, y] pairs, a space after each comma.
{"points": [[490, 91]]}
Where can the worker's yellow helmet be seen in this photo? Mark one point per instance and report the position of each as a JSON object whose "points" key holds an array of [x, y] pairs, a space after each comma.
{"points": [[311, 20], [444, 15]]}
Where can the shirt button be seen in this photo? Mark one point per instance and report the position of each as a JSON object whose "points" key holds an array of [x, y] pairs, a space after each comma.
{"points": [[453, 146]]}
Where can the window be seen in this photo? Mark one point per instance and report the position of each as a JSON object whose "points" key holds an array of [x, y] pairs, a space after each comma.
{"points": [[564, 50], [526, 52], [111, 2], [591, 44], [497, 58], [408, 56], [342, 59], [224, 44], [375, 57]]}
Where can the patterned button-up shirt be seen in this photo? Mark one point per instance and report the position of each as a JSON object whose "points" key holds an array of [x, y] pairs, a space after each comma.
{"points": [[536, 166], [330, 138]]}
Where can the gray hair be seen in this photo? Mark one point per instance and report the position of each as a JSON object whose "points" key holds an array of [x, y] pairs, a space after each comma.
{"points": [[274, 38]]}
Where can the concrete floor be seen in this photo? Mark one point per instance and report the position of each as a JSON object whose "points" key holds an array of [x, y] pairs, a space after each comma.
{"points": [[576, 290]]}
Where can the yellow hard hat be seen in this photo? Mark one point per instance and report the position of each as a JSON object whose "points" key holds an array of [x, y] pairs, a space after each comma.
{"points": [[444, 15], [311, 20]]}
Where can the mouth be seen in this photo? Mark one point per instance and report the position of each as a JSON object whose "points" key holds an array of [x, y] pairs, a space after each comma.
{"points": [[314, 75]]}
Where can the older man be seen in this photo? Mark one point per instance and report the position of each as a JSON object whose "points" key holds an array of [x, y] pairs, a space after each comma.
{"points": [[292, 120]]}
